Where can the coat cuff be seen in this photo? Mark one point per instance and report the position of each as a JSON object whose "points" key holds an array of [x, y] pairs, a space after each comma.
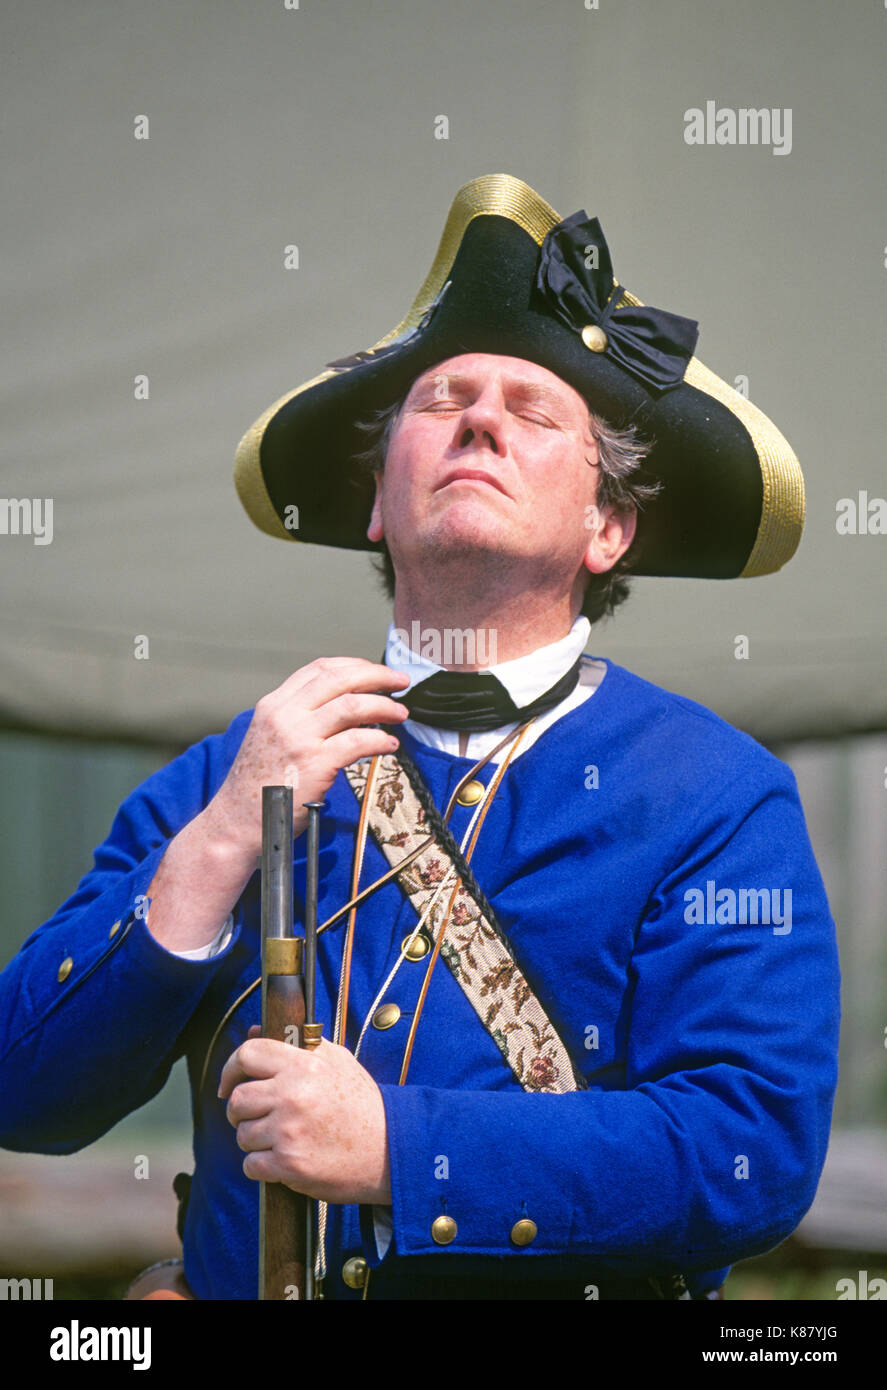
{"points": [[604, 1176], [98, 989], [473, 1192]]}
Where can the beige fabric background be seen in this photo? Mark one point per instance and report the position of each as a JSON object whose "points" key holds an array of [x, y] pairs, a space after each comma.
{"points": [[315, 126]]}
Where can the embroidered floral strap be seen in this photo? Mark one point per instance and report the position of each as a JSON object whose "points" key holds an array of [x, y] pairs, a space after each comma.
{"points": [[477, 955]]}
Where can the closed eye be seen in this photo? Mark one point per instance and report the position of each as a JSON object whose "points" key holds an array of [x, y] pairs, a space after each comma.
{"points": [[539, 420], [531, 417]]}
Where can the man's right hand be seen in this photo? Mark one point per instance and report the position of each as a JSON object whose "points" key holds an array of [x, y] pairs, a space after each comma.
{"points": [[301, 734]]}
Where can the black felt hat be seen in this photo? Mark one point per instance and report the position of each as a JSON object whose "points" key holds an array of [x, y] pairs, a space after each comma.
{"points": [[512, 279]]}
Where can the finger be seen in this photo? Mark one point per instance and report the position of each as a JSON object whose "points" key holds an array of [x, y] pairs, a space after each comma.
{"points": [[255, 1136], [250, 1100], [352, 744], [305, 674], [264, 1166], [352, 711], [334, 676], [257, 1058]]}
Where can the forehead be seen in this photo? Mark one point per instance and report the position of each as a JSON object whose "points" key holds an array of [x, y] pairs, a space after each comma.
{"points": [[516, 375]]}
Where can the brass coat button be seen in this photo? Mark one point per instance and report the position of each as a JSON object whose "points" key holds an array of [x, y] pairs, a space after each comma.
{"points": [[471, 793], [114, 930], [524, 1232], [65, 969], [594, 338], [443, 1230], [386, 1016], [354, 1272], [418, 947]]}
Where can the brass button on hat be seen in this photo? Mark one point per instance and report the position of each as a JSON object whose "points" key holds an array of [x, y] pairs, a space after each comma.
{"points": [[524, 1232], [418, 947], [594, 338], [354, 1272], [65, 969], [471, 793], [386, 1016], [443, 1230]]}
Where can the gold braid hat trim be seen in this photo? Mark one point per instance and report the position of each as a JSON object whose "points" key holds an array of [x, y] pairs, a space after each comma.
{"points": [[497, 195], [782, 507], [502, 195]]}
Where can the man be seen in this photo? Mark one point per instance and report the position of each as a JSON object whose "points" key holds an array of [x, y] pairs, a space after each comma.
{"points": [[620, 1079]]}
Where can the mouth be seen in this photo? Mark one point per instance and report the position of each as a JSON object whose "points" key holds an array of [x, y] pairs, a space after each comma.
{"points": [[472, 475]]}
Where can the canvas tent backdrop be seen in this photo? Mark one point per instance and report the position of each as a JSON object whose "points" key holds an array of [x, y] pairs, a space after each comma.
{"points": [[164, 257]]}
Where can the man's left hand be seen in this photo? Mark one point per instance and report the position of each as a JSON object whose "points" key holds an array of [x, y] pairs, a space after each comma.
{"points": [[313, 1120]]}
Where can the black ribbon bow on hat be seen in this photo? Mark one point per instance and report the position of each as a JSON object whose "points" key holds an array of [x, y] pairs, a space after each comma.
{"points": [[652, 344]]}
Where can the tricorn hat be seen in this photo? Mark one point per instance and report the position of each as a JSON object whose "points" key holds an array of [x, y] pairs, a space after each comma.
{"points": [[513, 279]]}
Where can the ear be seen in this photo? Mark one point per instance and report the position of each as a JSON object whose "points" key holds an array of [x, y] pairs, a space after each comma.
{"points": [[611, 533], [375, 531]]}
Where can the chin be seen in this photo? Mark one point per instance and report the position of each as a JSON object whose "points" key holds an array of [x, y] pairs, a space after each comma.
{"points": [[467, 534], [470, 518]]}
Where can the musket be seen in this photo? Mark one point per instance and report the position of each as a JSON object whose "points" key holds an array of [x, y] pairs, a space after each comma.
{"points": [[286, 1226]]}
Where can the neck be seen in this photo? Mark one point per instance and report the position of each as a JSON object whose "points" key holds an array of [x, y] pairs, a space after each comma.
{"points": [[481, 629]]}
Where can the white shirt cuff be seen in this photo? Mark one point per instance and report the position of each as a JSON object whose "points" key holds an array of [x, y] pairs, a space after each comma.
{"points": [[383, 1229], [218, 943]]}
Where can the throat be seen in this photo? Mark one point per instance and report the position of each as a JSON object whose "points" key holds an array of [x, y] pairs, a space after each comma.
{"points": [[463, 743]]}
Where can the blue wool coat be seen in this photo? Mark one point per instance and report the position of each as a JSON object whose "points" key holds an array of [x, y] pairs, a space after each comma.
{"points": [[616, 855]]}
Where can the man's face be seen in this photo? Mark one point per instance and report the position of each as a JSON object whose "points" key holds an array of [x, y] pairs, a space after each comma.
{"points": [[492, 460]]}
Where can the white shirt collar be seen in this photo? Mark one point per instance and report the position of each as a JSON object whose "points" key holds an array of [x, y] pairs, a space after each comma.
{"points": [[525, 678]]}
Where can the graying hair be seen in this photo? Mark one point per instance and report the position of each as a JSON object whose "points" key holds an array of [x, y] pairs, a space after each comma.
{"points": [[621, 486]]}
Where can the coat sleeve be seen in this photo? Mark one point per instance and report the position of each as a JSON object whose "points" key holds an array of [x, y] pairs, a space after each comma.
{"points": [[713, 1150], [92, 1008]]}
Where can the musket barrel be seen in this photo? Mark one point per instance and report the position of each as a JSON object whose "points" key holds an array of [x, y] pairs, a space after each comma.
{"points": [[284, 1223]]}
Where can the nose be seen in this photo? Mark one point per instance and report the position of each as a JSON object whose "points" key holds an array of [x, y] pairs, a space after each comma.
{"points": [[484, 420]]}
